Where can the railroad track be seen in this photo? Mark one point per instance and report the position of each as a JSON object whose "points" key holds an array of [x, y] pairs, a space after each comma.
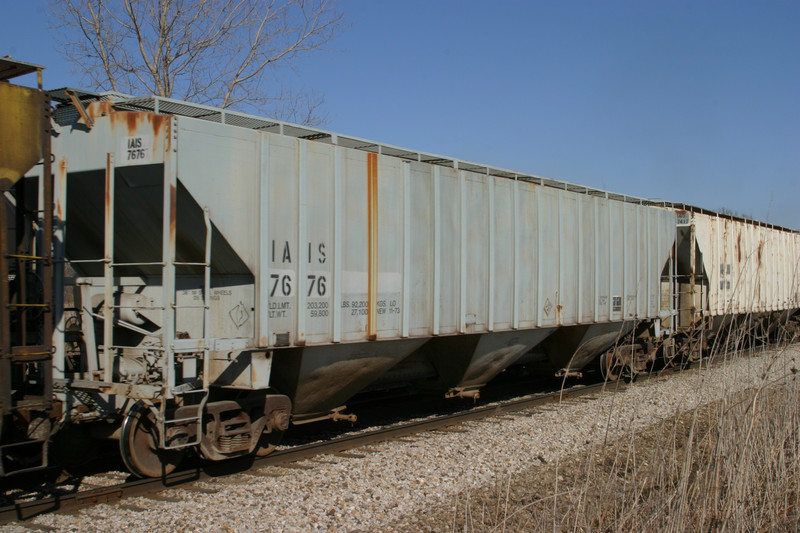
{"points": [[72, 501], [186, 479]]}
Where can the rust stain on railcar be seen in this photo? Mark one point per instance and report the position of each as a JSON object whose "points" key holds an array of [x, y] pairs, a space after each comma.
{"points": [[168, 133], [173, 216], [98, 109], [372, 245], [62, 185], [131, 120], [739, 246]]}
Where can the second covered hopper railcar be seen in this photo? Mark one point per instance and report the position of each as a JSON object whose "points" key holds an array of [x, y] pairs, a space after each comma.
{"points": [[735, 279]]}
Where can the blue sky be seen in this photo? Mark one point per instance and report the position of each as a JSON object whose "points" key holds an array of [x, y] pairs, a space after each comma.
{"points": [[693, 102]]}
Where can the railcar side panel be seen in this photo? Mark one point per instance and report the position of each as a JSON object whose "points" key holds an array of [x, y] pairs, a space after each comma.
{"points": [[527, 280], [474, 241], [602, 263], [587, 287], [503, 256], [570, 259], [316, 252], [391, 227], [420, 301], [353, 247], [449, 253], [281, 242], [616, 260]]}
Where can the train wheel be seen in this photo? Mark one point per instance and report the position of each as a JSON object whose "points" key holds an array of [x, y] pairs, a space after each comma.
{"points": [[138, 445], [610, 368], [268, 442]]}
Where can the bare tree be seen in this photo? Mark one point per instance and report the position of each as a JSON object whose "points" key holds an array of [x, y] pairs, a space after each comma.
{"points": [[226, 53]]}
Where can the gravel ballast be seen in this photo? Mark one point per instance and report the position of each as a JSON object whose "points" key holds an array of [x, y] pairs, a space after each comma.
{"points": [[392, 483]]}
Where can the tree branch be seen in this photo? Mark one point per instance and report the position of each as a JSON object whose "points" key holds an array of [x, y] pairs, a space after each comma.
{"points": [[215, 51]]}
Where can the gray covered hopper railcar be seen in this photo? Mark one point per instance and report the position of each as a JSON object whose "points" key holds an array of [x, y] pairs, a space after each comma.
{"points": [[226, 264]]}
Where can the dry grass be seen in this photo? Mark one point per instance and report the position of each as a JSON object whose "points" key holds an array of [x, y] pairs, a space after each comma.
{"points": [[733, 465]]}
